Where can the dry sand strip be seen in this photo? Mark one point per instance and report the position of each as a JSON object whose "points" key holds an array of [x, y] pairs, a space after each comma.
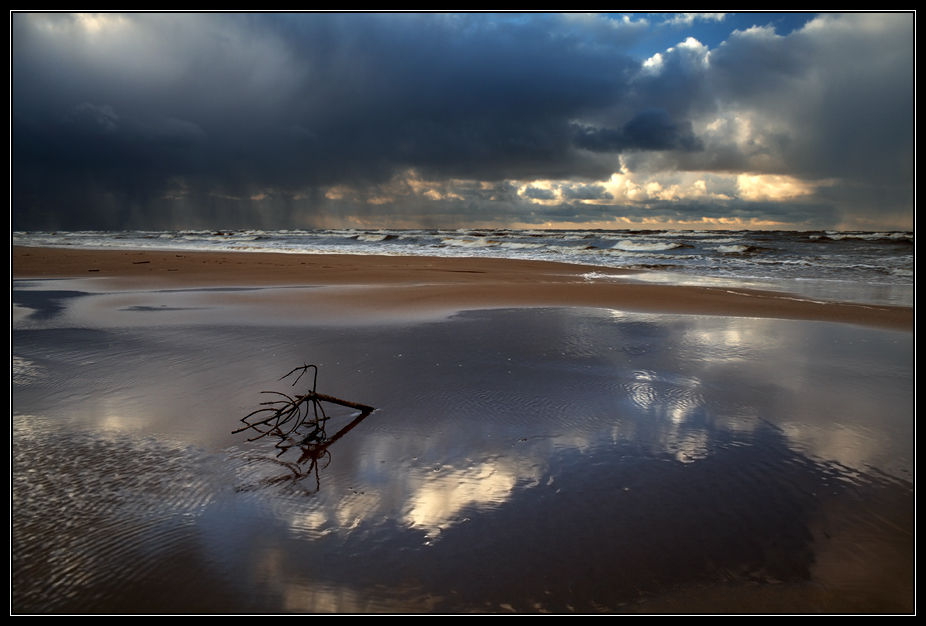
{"points": [[394, 284]]}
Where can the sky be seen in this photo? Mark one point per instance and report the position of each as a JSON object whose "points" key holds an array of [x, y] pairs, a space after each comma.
{"points": [[795, 121]]}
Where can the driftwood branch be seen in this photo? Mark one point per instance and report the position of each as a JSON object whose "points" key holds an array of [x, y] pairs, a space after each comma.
{"points": [[299, 417]]}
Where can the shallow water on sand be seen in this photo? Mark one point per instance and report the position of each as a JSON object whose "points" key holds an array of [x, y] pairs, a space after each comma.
{"points": [[556, 460]]}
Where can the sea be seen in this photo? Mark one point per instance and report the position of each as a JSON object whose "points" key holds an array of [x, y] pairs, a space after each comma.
{"points": [[852, 266]]}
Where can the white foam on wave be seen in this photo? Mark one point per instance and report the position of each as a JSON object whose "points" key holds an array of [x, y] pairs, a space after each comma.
{"points": [[479, 242], [513, 245], [590, 276], [627, 245], [898, 235], [735, 249]]}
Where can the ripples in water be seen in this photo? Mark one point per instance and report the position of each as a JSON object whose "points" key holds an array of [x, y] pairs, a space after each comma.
{"points": [[545, 460]]}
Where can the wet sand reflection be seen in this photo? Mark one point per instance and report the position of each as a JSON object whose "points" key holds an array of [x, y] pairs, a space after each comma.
{"points": [[525, 460]]}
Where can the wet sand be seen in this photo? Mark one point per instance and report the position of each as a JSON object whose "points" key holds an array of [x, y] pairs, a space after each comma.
{"points": [[586, 458], [370, 287]]}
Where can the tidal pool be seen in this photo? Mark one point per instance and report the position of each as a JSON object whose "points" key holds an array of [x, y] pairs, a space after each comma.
{"points": [[529, 460]]}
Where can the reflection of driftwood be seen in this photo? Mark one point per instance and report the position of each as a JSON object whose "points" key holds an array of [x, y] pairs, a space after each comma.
{"points": [[315, 454], [294, 422]]}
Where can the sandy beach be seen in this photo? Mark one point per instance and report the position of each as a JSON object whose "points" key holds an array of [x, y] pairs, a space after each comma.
{"points": [[376, 287], [542, 441]]}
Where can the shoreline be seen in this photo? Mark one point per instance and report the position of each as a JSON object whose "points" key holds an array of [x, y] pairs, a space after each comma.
{"points": [[395, 285]]}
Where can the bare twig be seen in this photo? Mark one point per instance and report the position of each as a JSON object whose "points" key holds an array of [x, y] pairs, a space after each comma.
{"points": [[292, 414]]}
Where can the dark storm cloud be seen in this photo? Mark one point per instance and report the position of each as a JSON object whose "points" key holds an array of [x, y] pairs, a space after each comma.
{"points": [[587, 192], [536, 193], [214, 120], [294, 102], [652, 129]]}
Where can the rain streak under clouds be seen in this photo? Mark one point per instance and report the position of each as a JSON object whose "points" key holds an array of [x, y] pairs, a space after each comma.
{"points": [[169, 121]]}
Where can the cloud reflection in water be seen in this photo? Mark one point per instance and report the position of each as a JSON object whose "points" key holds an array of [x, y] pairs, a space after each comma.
{"points": [[541, 460]]}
